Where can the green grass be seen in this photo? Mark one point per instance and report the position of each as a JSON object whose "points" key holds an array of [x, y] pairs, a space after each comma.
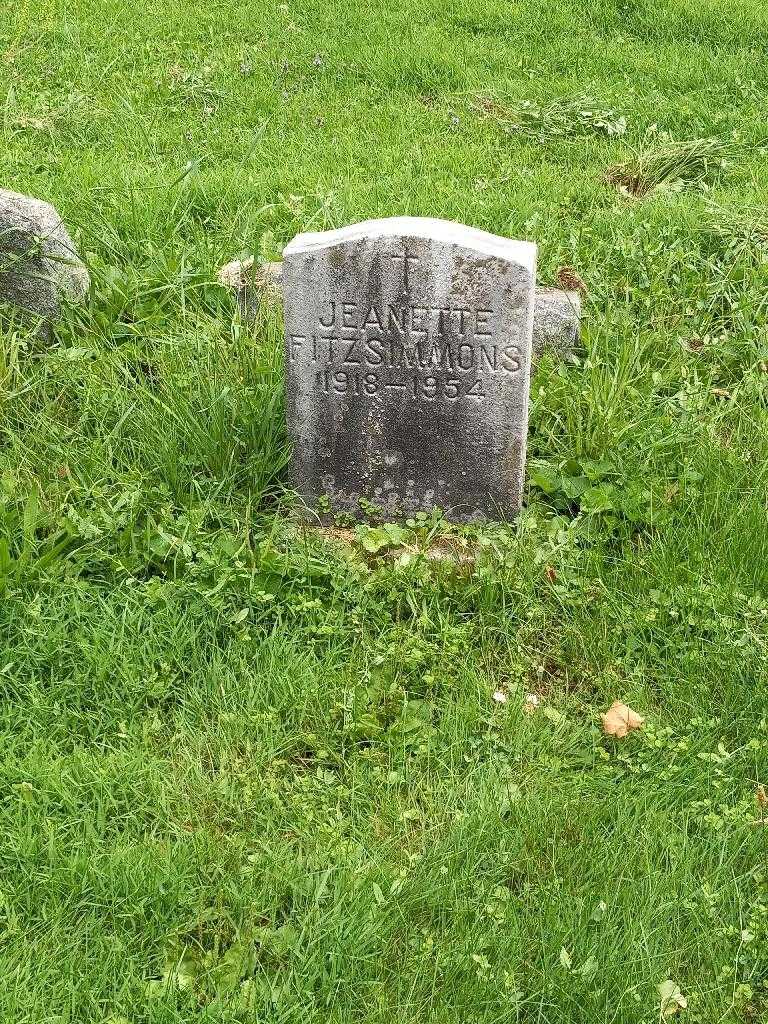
{"points": [[249, 774]]}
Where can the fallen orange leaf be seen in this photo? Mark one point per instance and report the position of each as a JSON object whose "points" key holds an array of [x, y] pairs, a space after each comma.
{"points": [[620, 719]]}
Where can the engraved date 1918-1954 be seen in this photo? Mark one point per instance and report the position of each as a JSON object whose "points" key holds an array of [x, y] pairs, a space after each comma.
{"points": [[427, 388]]}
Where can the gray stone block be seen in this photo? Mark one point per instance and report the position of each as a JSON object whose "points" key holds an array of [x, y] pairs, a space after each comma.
{"points": [[556, 322], [38, 260], [408, 351], [252, 285]]}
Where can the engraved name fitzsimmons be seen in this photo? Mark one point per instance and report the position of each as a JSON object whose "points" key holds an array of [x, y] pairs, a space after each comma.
{"points": [[404, 338]]}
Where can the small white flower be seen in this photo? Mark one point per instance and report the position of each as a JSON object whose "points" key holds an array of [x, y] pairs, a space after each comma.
{"points": [[500, 697], [533, 699]]}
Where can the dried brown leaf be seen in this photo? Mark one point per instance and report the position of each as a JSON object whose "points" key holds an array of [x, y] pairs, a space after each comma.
{"points": [[620, 719], [570, 280]]}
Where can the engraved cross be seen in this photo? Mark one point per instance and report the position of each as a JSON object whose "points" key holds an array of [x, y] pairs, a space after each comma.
{"points": [[407, 257]]}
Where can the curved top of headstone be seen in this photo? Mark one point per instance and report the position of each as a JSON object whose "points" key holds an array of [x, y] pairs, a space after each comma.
{"points": [[447, 231]]}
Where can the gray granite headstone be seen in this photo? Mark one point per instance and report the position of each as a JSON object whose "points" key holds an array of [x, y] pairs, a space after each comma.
{"points": [[408, 354]]}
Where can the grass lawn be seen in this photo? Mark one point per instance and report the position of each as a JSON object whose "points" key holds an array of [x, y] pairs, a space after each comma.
{"points": [[252, 774]]}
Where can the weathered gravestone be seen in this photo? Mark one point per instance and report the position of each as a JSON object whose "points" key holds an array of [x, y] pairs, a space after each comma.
{"points": [[408, 351]]}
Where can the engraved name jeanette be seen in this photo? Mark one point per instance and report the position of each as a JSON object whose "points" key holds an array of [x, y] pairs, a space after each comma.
{"points": [[406, 337]]}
